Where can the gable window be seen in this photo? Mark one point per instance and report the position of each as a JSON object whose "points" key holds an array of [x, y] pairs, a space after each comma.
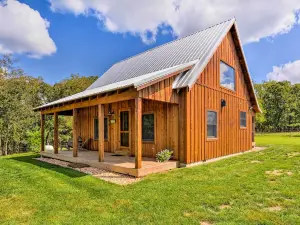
{"points": [[148, 127], [227, 76], [96, 129], [243, 119], [212, 119]]}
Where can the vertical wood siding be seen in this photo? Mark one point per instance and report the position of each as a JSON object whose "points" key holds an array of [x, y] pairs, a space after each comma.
{"points": [[166, 127], [205, 95], [161, 91]]}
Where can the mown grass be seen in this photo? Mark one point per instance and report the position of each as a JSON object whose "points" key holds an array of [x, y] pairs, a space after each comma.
{"points": [[33, 192], [268, 139]]}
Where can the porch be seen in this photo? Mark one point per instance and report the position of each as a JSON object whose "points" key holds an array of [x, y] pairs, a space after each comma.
{"points": [[120, 163]]}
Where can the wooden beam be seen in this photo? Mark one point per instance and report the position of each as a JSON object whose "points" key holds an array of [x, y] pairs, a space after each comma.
{"points": [[138, 130], [75, 132], [55, 133], [130, 94], [42, 133], [101, 132]]}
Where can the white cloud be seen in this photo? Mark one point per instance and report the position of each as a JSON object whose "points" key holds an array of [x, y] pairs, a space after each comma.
{"points": [[23, 30], [289, 72], [256, 19]]}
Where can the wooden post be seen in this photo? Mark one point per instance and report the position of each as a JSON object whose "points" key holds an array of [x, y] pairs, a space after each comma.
{"points": [[138, 131], [101, 132], [55, 133], [75, 133], [42, 132]]}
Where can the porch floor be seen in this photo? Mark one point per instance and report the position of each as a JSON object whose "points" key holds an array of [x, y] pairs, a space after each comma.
{"points": [[119, 164]]}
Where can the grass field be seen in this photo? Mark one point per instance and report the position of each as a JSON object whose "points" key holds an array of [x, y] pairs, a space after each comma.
{"points": [[253, 188], [278, 139]]}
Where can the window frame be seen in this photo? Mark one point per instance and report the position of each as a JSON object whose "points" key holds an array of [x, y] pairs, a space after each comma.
{"points": [[211, 138], [97, 138], [154, 123], [243, 127], [234, 76]]}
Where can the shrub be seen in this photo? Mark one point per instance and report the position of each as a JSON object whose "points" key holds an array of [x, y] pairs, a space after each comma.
{"points": [[164, 155]]}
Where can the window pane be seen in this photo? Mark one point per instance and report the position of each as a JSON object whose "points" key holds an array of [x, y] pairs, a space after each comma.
{"points": [[243, 119], [124, 121], [125, 139], [211, 131], [227, 76], [105, 129], [212, 117], [212, 120], [148, 127], [96, 132]]}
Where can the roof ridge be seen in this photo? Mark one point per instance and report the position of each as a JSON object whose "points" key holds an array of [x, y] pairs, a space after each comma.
{"points": [[167, 43]]}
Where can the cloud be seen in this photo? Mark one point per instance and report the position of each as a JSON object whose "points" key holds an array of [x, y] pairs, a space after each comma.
{"points": [[256, 19], [23, 30], [289, 72]]}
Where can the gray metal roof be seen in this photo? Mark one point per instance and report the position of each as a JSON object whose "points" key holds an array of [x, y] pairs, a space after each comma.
{"points": [[132, 82], [198, 46], [194, 50]]}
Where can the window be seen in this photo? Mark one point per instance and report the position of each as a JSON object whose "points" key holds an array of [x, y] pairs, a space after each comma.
{"points": [[212, 119], [148, 127], [96, 131], [227, 76], [105, 129], [243, 119], [96, 127]]}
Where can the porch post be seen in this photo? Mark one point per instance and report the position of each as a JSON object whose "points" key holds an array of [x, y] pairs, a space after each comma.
{"points": [[75, 133], [55, 133], [138, 131], [101, 132], [42, 132]]}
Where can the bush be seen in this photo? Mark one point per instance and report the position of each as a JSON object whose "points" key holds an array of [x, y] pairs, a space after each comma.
{"points": [[164, 155]]}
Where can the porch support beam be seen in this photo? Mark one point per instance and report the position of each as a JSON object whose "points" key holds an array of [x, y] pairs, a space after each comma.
{"points": [[101, 132], [138, 130], [75, 132], [55, 133], [42, 133]]}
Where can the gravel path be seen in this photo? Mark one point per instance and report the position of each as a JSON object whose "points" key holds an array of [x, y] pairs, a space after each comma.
{"points": [[112, 177]]}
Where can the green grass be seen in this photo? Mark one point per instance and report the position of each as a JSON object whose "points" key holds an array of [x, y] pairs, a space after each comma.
{"points": [[33, 192], [268, 139]]}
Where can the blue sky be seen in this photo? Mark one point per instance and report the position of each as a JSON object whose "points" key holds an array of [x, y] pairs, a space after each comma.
{"points": [[84, 43]]}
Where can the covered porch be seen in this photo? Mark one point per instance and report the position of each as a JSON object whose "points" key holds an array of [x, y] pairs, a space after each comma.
{"points": [[112, 122], [116, 163]]}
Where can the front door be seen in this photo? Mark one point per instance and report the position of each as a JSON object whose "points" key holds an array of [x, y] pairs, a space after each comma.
{"points": [[125, 129]]}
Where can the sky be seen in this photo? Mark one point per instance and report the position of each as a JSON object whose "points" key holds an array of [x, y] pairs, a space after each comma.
{"points": [[55, 38]]}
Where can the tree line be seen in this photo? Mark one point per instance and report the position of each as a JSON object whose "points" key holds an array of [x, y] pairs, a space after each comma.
{"points": [[19, 94], [280, 104]]}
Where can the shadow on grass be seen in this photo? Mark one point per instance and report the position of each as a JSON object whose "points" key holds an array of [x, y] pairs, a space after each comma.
{"points": [[31, 160]]}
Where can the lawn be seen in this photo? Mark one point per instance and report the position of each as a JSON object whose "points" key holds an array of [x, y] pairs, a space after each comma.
{"points": [[292, 138], [237, 190]]}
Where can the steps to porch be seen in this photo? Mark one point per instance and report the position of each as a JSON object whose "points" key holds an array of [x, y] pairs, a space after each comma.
{"points": [[120, 163]]}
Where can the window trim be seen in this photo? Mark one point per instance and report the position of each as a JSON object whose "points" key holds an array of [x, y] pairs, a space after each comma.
{"points": [[208, 138], [154, 120], [223, 61], [241, 127], [97, 138]]}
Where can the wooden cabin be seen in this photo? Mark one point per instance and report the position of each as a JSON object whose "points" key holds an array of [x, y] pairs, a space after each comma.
{"points": [[193, 96]]}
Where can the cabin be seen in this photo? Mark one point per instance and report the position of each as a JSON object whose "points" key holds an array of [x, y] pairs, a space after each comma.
{"points": [[193, 96]]}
